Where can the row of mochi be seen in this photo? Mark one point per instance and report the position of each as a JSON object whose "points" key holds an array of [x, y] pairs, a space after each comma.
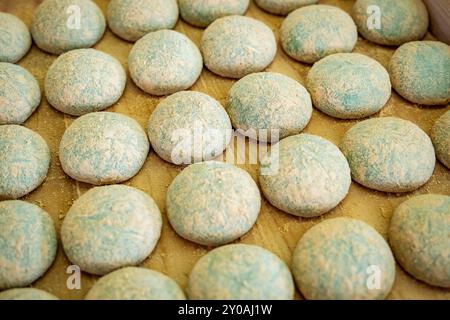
{"points": [[304, 174], [343, 85], [164, 61], [111, 229], [62, 25]]}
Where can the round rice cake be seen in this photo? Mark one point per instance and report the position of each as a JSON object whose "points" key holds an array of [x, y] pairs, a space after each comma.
{"points": [[343, 259], [212, 203], [28, 243], [389, 154], [419, 235], [110, 227], [20, 94], [236, 46], [240, 272]]}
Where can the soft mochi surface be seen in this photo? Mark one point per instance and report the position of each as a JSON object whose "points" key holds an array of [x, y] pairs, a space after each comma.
{"points": [[420, 72], [440, 135], [312, 177], [270, 105], [240, 272], [24, 161], [340, 258], [401, 20], [110, 227], [202, 13], [132, 19], [55, 29], [389, 154], [133, 283], [189, 127], [212, 203], [420, 238], [236, 46], [164, 62], [15, 39], [103, 148], [84, 80], [26, 294], [27, 243], [349, 85], [20, 94], [313, 32], [283, 7]]}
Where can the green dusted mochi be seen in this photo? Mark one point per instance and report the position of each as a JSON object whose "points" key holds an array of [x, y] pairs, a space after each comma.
{"points": [[110, 227], [283, 7], [164, 62], [343, 259], [27, 243], [15, 39], [271, 105], [313, 176], [20, 94], [133, 283], [26, 294], [133, 19], [189, 127], [24, 161], [103, 148], [84, 80], [202, 13], [389, 154], [349, 85], [63, 25], [420, 238], [420, 72], [240, 272], [236, 46], [440, 135], [401, 21], [313, 32], [213, 203]]}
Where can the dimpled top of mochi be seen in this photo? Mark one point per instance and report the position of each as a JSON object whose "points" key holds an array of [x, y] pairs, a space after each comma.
{"points": [[84, 80], [400, 20], [310, 33], [26, 294], [283, 7], [213, 203], [20, 94], [269, 101], [240, 272], [420, 238], [236, 46], [202, 13], [24, 161], [27, 243], [349, 85], [132, 19], [189, 127], [110, 227], [389, 154], [133, 283], [313, 176], [63, 25], [343, 259], [420, 72], [15, 39], [164, 62], [103, 148], [440, 135]]}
